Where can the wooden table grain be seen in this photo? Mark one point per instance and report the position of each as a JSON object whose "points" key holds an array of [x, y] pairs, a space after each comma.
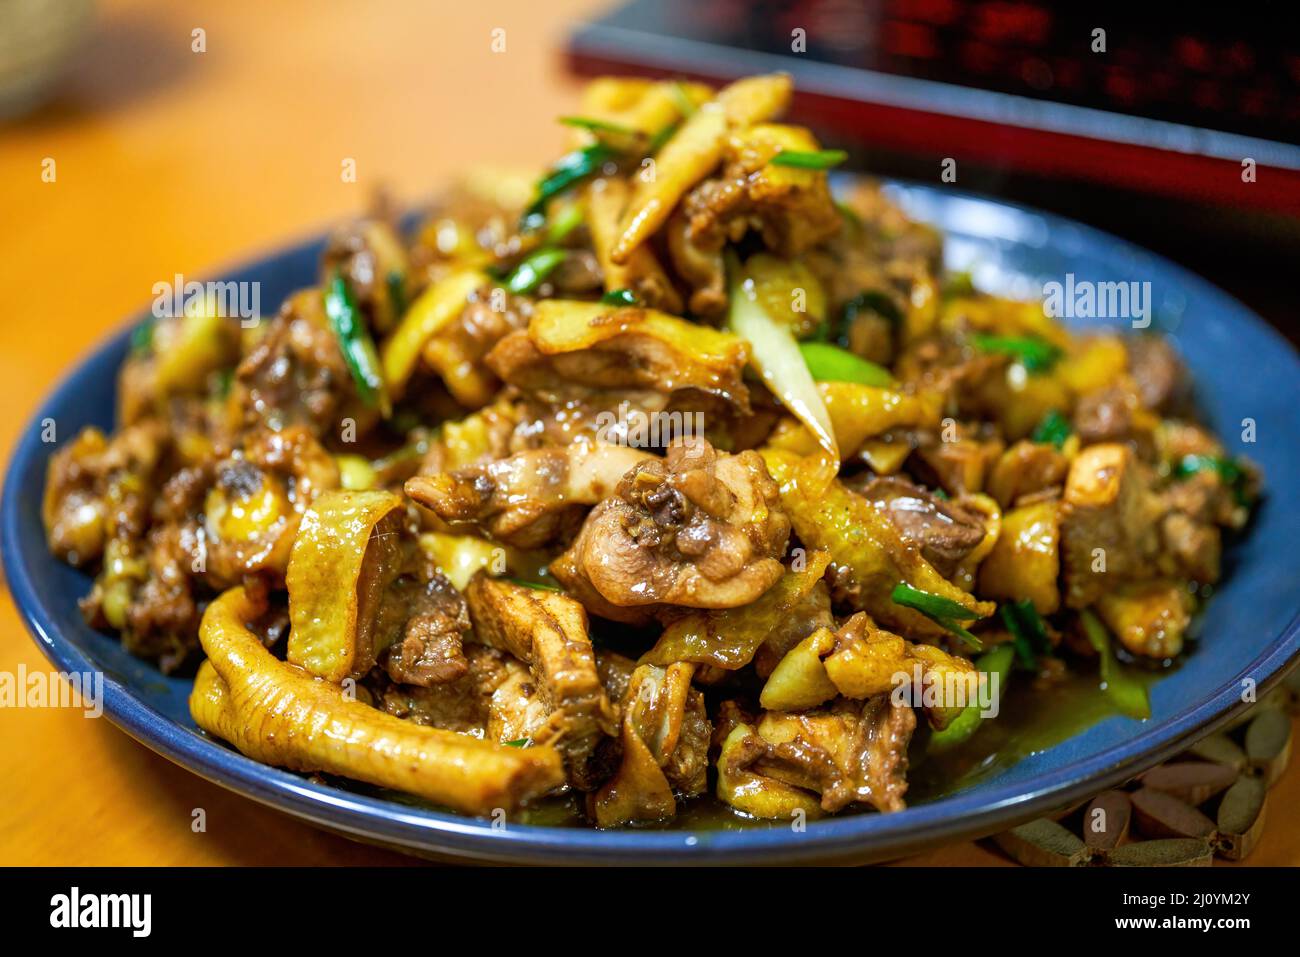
{"points": [[167, 160]]}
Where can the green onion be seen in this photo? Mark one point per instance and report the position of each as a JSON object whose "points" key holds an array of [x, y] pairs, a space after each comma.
{"points": [[532, 272], [564, 224], [568, 171], [1227, 469], [828, 363], [1028, 632], [776, 356], [355, 343], [1054, 429], [1034, 354], [1229, 472], [1127, 693], [820, 159], [963, 727], [396, 283], [518, 743], [659, 139], [598, 126], [942, 611], [225, 379], [620, 297]]}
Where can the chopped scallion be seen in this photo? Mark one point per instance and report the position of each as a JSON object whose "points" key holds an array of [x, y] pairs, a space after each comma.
{"points": [[1054, 429], [1128, 694], [1034, 354], [355, 343], [808, 159], [532, 272], [1028, 632], [593, 125], [828, 363], [620, 297], [942, 611]]}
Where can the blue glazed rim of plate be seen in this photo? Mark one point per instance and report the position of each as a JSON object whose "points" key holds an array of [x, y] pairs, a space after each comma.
{"points": [[966, 814]]}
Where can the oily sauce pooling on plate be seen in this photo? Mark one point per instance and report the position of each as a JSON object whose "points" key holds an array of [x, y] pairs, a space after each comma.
{"points": [[663, 474]]}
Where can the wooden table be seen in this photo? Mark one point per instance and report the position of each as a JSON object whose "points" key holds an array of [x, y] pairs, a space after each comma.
{"points": [[169, 161]]}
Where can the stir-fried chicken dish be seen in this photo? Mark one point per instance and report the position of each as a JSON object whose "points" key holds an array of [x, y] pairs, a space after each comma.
{"points": [[668, 476]]}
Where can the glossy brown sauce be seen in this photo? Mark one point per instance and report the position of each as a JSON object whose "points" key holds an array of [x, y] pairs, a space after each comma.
{"points": [[1031, 720]]}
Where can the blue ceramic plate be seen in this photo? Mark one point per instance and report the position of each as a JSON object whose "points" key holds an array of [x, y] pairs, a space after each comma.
{"points": [[1250, 631]]}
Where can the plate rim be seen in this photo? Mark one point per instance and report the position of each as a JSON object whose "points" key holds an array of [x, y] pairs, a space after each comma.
{"points": [[962, 815]]}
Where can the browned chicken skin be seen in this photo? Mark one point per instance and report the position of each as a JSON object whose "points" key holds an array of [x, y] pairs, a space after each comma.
{"points": [[699, 529]]}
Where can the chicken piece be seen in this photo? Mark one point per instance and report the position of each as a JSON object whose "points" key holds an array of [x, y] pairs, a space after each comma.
{"points": [[256, 500], [369, 255], [869, 557], [812, 612], [1115, 413], [548, 632], [496, 699], [296, 374], [277, 714], [458, 352], [527, 499], [699, 528], [98, 489], [480, 436], [862, 660], [692, 153], [1107, 524], [665, 738], [702, 269], [728, 638], [945, 532], [641, 274], [739, 786], [429, 623], [1026, 468], [517, 708], [577, 350], [161, 605], [1149, 619], [848, 752], [462, 705], [791, 208], [565, 570], [958, 463], [1156, 370]]}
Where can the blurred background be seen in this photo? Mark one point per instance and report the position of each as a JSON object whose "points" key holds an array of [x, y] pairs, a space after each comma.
{"points": [[140, 139]]}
